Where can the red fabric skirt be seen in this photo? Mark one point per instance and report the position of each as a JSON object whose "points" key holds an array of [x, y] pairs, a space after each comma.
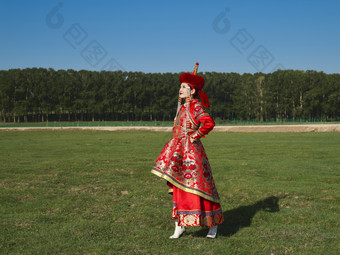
{"points": [[192, 210]]}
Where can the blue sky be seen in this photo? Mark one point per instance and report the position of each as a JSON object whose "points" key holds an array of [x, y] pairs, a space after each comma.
{"points": [[171, 36]]}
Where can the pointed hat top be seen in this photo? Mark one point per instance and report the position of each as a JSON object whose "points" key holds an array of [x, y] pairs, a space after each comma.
{"points": [[195, 69]]}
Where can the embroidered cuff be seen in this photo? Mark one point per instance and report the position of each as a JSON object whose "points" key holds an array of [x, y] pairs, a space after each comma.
{"points": [[196, 135]]}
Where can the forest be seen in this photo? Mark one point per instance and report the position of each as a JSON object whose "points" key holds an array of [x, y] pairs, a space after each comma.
{"points": [[40, 95]]}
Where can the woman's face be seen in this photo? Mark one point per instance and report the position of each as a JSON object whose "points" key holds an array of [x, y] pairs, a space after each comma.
{"points": [[185, 90]]}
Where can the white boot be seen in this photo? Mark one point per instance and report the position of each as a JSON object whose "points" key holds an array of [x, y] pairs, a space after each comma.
{"points": [[179, 230], [212, 232]]}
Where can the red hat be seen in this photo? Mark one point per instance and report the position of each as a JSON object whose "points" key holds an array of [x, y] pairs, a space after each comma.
{"points": [[196, 82]]}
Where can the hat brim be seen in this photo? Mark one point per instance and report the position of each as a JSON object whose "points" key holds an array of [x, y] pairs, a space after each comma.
{"points": [[195, 81]]}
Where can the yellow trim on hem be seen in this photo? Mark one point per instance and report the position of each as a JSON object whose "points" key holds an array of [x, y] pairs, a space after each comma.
{"points": [[183, 188]]}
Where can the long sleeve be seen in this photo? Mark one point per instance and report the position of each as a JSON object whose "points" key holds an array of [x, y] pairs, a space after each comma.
{"points": [[208, 125], [207, 122]]}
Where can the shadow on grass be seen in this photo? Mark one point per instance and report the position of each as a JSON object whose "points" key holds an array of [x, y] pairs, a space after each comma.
{"points": [[241, 217]]}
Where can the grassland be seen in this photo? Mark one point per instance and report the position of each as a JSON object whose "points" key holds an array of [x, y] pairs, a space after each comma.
{"points": [[91, 192]]}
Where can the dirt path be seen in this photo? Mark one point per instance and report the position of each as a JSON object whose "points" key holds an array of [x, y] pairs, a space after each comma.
{"points": [[257, 128]]}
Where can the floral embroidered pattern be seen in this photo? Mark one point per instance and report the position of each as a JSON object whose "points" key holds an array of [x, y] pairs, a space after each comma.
{"points": [[185, 164], [197, 217]]}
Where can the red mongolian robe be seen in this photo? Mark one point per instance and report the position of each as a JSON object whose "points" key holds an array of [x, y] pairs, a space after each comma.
{"points": [[186, 168]]}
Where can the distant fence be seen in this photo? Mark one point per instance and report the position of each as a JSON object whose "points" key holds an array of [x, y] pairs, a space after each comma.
{"points": [[234, 122], [238, 122]]}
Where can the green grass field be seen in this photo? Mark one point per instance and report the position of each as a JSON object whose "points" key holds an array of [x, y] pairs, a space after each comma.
{"points": [[91, 192], [156, 123]]}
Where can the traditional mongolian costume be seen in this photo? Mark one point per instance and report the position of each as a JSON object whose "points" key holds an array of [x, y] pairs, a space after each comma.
{"points": [[185, 166]]}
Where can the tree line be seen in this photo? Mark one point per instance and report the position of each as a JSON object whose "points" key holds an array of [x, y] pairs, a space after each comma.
{"points": [[39, 94]]}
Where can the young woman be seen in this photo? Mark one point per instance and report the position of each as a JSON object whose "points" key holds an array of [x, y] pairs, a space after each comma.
{"points": [[184, 164]]}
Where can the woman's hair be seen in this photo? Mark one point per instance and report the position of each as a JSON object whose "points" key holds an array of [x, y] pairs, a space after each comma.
{"points": [[196, 95]]}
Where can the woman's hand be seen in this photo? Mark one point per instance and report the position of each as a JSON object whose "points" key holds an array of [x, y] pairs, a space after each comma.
{"points": [[194, 137]]}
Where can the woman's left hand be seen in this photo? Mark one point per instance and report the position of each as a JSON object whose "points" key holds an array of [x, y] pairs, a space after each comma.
{"points": [[194, 137]]}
